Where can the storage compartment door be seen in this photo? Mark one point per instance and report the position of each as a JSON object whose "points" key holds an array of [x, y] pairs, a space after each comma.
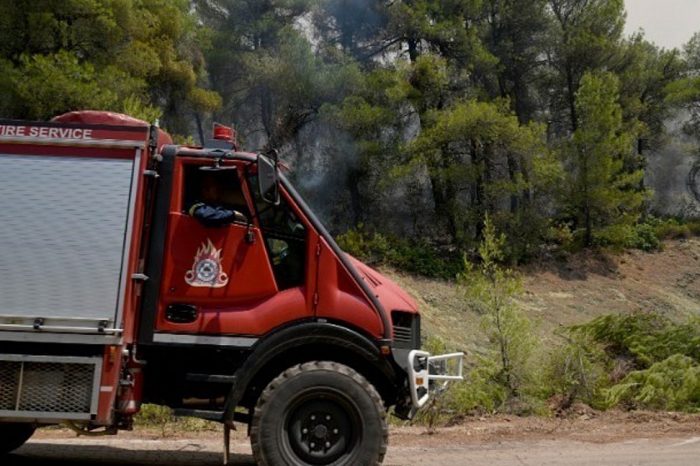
{"points": [[63, 224]]}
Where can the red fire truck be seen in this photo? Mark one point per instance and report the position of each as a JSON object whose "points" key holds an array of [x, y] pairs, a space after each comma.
{"points": [[114, 293]]}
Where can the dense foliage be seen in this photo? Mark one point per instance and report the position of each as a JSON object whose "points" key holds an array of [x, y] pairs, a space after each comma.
{"points": [[414, 119], [140, 57], [641, 360], [650, 361]]}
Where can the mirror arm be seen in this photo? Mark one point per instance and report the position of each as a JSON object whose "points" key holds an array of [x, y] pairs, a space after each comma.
{"points": [[270, 160], [249, 234], [274, 155]]}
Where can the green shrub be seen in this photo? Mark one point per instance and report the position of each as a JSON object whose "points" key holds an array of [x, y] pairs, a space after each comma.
{"points": [[424, 259], [645, 337], [645, 238], [648, 235], [663, 370], [577, 371], [562, 236], [482, 391], [640, 236], [434, 345], [372, 248], [638, 360], [673, 228], [507, 376], [155, 416], [161, 417], [672, 384], [414, 256]]}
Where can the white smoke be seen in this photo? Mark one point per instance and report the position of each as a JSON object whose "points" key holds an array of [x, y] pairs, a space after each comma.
{"points": [[669, 174]]}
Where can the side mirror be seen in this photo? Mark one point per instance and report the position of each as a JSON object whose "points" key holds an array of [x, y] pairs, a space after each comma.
{"points": [[268, 179]]}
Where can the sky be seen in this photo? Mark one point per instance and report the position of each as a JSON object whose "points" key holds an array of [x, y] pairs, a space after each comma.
{"points": [[668, 23]]}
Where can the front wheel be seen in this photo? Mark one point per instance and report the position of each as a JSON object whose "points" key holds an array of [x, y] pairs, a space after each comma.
{"points": [[13, 436], [319, 413]]}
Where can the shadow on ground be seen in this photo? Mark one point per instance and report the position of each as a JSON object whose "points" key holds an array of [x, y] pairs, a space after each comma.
{"points": [[37, 453]]}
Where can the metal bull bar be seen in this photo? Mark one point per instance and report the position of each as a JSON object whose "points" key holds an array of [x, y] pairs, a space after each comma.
{"points": [[425, 369]]}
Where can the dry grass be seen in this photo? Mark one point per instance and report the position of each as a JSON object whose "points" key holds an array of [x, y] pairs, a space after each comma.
{"points": [[572, 290]]}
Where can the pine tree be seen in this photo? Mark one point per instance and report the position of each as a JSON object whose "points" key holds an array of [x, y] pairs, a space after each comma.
{"points": [[603, 191]]}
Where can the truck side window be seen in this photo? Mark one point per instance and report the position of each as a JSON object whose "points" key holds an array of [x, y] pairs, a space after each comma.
{"points": [[285, 237], [220, 191]]}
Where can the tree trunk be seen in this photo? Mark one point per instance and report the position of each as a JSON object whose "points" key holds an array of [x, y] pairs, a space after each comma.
{"points": [[200, 130], [412, 49], [589, 226], [478, 194], [571, 95], [266, 115], [356, 205], [442, 208], [512, 175]]}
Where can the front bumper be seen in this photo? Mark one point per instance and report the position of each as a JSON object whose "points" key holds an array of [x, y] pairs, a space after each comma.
{"points": [[424, 371]]}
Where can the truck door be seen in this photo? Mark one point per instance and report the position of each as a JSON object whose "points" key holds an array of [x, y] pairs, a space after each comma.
{"points": [[218, 280]]}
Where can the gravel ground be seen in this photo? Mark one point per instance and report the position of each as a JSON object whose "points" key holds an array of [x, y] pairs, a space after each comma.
{"points": [[620, 439]]}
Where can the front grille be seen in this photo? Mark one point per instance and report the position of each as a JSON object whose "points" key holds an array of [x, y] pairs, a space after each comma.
{"points": [[406, 329], [404, 334], [41, 385]]}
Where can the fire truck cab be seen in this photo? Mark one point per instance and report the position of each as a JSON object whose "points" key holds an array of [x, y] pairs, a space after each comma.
{"points": [[137, 271]]}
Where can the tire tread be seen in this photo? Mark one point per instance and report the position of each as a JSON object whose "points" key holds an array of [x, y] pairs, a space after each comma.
{"points": [[307, 367]]}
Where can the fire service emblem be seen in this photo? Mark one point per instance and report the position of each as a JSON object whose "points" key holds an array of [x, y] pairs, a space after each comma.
{"points": [[206, 269]]}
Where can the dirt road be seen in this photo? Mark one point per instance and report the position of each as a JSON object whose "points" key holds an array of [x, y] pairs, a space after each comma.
{"points": [[198, 452], [638, 439]]}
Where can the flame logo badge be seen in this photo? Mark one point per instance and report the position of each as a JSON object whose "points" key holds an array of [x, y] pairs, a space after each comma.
{"points": [[206, 269]]}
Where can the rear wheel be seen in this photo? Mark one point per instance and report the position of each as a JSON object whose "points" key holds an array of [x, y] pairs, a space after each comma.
{"points": [[13, 436], [319, 413]]}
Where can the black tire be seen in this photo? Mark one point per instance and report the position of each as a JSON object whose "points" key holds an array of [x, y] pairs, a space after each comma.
{"points": [[319, 413], [13, 436]]}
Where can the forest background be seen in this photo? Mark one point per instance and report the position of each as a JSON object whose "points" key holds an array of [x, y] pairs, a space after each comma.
{"points": [[405, 122], [430, 135]]}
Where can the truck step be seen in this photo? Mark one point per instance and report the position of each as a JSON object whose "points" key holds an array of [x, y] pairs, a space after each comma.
{"points": [[211, 378], [216, 416]]}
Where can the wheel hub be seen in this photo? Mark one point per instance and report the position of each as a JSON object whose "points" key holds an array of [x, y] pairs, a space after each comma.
{"points": [[320, 431]]}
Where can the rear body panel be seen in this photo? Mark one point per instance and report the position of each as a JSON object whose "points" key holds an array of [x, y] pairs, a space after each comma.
{"points": [[71, 229]]}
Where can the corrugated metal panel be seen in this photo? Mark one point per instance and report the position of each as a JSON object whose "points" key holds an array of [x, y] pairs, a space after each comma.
{"points": [[62, 228]]}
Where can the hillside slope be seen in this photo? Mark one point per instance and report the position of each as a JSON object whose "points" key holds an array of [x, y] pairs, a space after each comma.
{"points": [[561, 293]]}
